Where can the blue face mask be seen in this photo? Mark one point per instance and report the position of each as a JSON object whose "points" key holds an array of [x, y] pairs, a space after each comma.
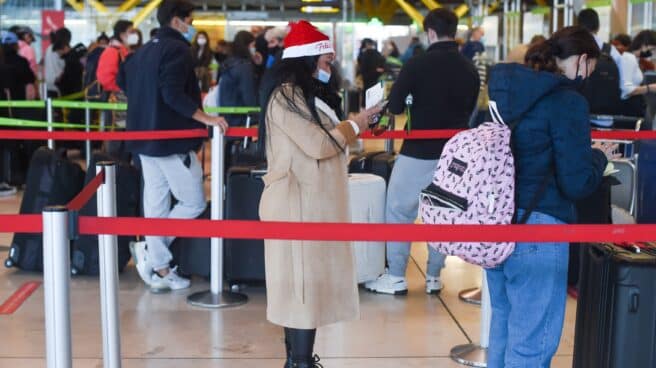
{"points": [[323, 76], [191, 32]]}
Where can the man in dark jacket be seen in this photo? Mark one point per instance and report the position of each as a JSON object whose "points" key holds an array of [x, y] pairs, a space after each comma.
{"points": [[371, 65], [163, 94], [440, 88]]}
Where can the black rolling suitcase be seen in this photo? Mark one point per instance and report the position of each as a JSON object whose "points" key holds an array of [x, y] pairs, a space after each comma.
{"points": [[193, 255], [51, 180], [243, 259], [616, 315], [85, 251], [595, 209]]}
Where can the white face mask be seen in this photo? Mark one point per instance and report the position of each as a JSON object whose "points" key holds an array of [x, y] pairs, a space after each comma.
{"points": [[323, 76], [201, 41], [133, 39], [253, 50]]}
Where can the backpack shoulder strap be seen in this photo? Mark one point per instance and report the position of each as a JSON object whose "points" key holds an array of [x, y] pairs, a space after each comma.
{"points": [[606, 48]]}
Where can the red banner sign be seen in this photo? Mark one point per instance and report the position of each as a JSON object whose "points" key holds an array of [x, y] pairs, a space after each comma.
{"points": [[51, 20]]}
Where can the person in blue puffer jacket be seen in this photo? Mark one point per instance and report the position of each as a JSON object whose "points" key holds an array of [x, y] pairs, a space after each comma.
{"points": [[238, 80], [555, 166]]}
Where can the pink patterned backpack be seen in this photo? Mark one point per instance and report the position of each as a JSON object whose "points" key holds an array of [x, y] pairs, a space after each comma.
{"points": [[474, 184]]}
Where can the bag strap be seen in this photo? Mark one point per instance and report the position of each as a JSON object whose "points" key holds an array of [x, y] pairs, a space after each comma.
{"points": [[536, 199]]}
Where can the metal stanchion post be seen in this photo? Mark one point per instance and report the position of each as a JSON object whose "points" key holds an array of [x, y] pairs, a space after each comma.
{"points": [[216, 297], [56, 285], [475, 355], [108, 259], [102, 120], [87, 128], [471, 296], [51, 143]]}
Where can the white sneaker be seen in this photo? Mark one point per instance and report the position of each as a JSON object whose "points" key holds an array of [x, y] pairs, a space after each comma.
{"points": [[140, 256], [172, 281], [388, 284], [7, 190], [433, 285]]}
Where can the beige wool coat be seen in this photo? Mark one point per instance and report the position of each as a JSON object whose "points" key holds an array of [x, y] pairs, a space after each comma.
{"points": [[309, 283]]}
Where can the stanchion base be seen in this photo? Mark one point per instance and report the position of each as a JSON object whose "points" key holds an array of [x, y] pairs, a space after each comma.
{"points": [[207, 299], [471, 355], [471, 296]]}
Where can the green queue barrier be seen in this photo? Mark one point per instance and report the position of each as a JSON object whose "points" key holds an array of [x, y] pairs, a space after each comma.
{"points": [[21, 123], [24, 104], [81, 105], [233, 110]]}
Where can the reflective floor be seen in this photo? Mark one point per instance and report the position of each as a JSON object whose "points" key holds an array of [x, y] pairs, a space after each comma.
{"points": [[164, 331]]}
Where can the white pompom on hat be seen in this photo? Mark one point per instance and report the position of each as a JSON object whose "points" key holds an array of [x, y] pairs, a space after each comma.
{"points": [[279, 33], [304, 39]]}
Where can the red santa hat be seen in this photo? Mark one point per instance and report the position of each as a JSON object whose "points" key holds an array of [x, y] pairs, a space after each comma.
{"points": [[304, 39]]}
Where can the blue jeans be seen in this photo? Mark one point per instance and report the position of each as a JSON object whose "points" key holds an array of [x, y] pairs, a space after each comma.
{"points": [[528, 294], [409, 177]]}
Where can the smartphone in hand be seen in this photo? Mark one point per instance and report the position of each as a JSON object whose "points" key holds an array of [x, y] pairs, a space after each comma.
{"points": [[375, 119]]}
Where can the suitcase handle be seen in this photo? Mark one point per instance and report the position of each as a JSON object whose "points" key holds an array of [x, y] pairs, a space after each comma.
{"points": [[258, 173]]}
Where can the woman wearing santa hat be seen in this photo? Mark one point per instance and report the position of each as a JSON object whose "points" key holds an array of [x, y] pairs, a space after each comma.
{"points": [[309, 283]]}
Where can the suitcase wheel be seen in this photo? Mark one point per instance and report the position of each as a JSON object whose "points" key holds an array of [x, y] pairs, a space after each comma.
{"points": [[74, 271], [9, 263]]}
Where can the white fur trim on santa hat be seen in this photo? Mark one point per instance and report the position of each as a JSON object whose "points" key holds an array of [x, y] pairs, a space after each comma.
{"points": [[311, 49]]}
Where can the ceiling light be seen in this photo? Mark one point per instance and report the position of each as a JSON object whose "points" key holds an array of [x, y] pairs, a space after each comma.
{"points": [[319, 9]]}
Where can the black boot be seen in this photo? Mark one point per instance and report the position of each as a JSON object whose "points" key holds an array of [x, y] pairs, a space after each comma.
{"points": [[302, 344], [288, 347], [311, 363]]}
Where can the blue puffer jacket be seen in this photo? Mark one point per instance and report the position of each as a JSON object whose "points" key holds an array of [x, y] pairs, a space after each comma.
{"points": [[237, 87], [553, 138]]}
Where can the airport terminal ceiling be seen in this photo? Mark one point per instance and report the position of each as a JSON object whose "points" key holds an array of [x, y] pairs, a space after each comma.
{"points": [[390, 11]]}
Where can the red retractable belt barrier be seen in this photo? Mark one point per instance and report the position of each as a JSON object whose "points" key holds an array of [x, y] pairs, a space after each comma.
{"points": [[366, 232], [342, 231], [21, 224], [104, 136], [252, 133], [87, 192]]}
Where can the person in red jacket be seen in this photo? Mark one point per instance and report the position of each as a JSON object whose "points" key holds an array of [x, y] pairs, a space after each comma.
{"points": [[114, 55], [125, 36]]}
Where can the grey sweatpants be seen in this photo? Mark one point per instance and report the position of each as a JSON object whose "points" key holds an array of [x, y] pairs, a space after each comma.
{"points": [[409, 177]]}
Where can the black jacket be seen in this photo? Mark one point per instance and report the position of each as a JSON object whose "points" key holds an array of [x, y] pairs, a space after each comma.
{"points": [[163, 93], [368, 64], [444, 86], [18, 74], [72, 79]]}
